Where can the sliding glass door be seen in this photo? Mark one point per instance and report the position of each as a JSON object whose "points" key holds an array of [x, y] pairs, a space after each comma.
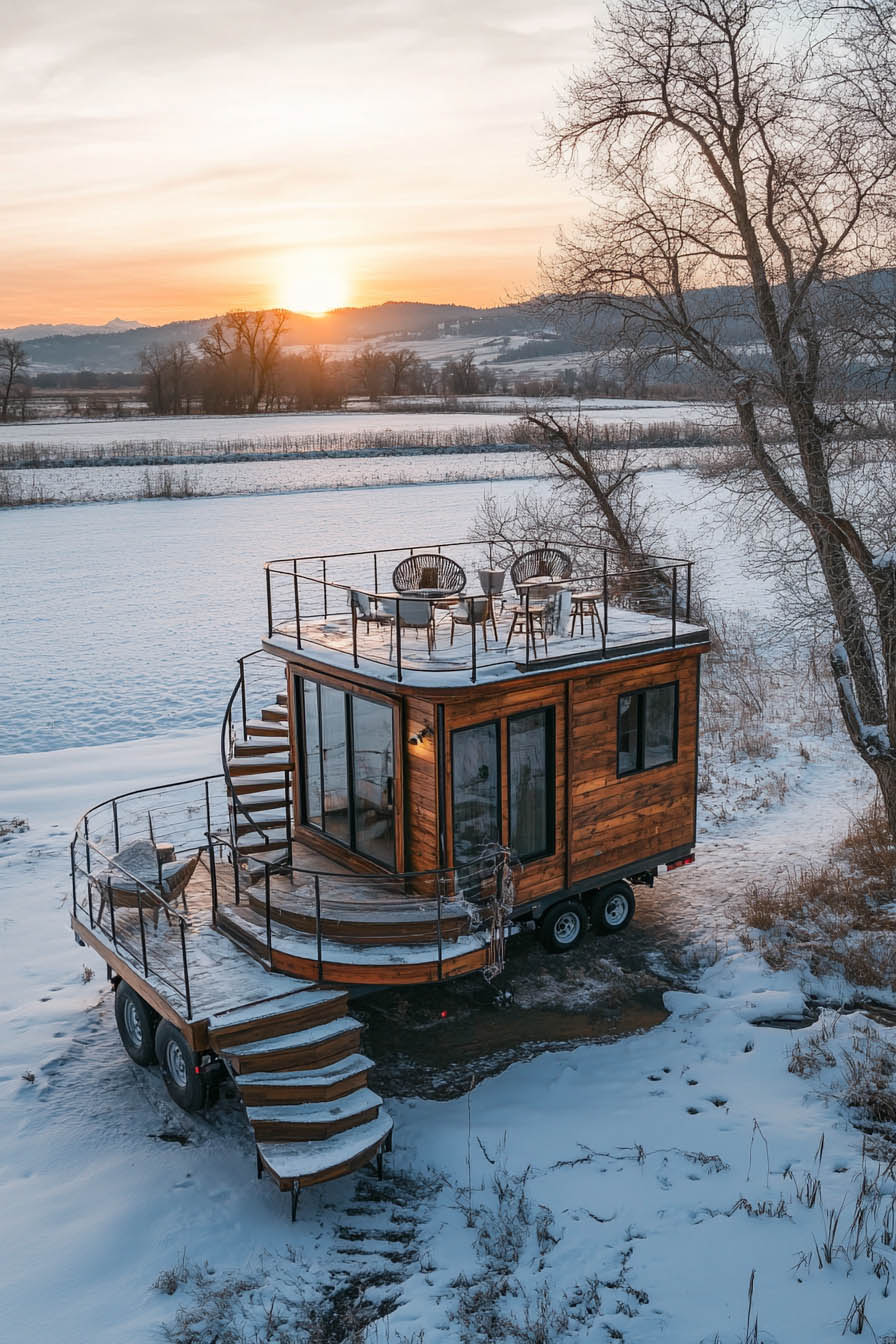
{"points": [[475, 790], [348, 771]]}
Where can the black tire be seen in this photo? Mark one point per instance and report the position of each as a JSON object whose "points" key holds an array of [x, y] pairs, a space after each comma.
{"points": [[612, 908], [178, 1064], [564, 925], [136, 1024]]}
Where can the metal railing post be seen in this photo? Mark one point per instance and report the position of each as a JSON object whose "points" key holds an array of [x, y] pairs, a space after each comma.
{"points": [[323, 564], [674, 602], [528, 621], [439, 919], [267, 578], [213, 877], [606, 604], [687, 603], [267, 908], [183, 949], [71, 850], [287, 792], [235, 858], [86, 844], [376, 582], [142, 932], [320, 958], [208, 809], [295, 598], [111, 899], [473, 633], [241, 662], [115, 824], [398, 638]]}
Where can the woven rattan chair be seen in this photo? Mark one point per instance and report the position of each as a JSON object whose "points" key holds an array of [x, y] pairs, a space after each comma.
{"points": [[547, 563], [424, 571]]}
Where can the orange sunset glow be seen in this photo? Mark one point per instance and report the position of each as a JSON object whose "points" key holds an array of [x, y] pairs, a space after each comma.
{"points": [[173, 161]]}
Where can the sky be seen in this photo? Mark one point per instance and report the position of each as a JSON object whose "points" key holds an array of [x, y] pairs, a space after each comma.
{"points": [[173, 159]]}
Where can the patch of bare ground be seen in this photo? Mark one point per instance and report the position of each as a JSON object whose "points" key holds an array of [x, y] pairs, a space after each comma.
{"points": [[836, 918]]}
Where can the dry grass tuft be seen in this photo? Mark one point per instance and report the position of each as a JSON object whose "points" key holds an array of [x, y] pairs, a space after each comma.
{"points": [[837, 918]]}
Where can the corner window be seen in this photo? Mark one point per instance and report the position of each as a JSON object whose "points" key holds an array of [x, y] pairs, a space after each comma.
{"points": [[347, 769], [530, 777], [648, 728]]}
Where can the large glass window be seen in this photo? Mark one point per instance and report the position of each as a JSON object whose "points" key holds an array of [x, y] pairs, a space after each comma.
{"points": [[348, 770], [475, 790], [648, 728], [530, 777], [373, 776]]}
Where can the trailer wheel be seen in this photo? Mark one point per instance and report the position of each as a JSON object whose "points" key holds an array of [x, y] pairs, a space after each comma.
{"points": [[178, 1063], [563, 927], [612, 908], [136, 1024]]}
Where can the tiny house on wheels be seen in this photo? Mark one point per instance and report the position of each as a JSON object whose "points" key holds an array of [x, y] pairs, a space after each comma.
{"points": [[434, 748]]}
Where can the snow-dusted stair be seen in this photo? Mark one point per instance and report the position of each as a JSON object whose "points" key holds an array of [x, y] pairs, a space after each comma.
{"points": [[295, 1061], [257, 769]]}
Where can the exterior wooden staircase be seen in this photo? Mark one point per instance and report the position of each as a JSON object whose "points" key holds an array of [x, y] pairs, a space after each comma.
{"points": [[257, 784], [295, 1060]]}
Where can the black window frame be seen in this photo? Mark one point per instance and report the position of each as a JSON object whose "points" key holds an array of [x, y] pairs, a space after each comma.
{"points": [[350, 845], [499, 775], [550, 800], [640, 696]]}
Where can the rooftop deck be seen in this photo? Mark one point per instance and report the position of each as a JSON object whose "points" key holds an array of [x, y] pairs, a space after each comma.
{"points": [[351, 610]]}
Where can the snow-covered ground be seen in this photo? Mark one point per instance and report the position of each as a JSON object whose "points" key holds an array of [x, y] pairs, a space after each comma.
{"points": [[310, 425], [632, 1187]]}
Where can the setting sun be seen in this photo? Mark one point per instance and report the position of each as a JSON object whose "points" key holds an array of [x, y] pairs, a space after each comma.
{"points": [[313, 283]]}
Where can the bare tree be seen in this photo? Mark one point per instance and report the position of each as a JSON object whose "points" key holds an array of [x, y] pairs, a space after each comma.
{"points": [[14, 360], [246, 345], [743, 157], [403, 365], [166, 370]]}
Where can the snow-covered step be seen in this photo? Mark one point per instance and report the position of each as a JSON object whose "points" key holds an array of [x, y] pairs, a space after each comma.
{"points": [[308, 1121], [296, 1165], [275, 714], [277, 746], [260, 784], [333, 1080], [307, 1007], [242, 764], [311, 1047], [277, 730]]}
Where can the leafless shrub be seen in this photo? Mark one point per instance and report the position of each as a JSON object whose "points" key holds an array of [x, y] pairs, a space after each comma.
{"points": [[166, 484]]}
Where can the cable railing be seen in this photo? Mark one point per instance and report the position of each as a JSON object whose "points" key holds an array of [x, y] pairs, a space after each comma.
{"points": [[313, 601], [453, 894], [261, 677], [176, 821]]}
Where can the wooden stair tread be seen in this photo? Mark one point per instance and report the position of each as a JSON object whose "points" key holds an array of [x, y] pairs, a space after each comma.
{"points": [[290, 1162], [317, 1112], [328, 1074], [307, 995], [294, 1040]]}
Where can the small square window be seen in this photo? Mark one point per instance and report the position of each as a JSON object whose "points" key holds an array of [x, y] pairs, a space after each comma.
{"points": [[647, 729]]}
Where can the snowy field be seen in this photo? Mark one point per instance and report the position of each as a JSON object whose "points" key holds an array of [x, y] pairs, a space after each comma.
{"points": [[125, 620], [210, 429], [623, 1191]]}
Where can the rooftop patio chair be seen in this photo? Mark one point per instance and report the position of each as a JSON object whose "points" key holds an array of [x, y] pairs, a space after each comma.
{"points": [[363, 610], [547, 562], [585, 603], [473, 611], [529, 613], [426, 570], [412, 614]]}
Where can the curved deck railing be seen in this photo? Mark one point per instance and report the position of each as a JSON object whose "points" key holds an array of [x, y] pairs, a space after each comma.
{"points": [[304, 591], [193, 816]]}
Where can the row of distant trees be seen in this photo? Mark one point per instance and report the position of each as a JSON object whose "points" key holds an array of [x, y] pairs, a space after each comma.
{"points": [[240, 366]]}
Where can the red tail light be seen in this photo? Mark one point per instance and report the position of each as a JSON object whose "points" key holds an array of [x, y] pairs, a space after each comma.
{"points": [[679, 863]]}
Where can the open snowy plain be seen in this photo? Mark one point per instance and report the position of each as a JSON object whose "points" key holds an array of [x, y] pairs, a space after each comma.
{"points": [[631, 1190]]}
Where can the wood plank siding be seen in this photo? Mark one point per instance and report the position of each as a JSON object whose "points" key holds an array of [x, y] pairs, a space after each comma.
{"points": [[602, 823]]}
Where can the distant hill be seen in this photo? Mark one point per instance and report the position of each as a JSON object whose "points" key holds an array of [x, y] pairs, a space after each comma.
{"points": [[103, 350], [37, 330]]}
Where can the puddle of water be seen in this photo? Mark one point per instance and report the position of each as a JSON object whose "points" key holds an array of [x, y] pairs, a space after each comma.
{"points": [[420, 1053]]}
